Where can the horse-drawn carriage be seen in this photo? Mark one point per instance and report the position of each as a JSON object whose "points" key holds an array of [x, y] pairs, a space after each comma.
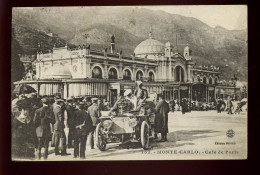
{"points": [[134, 126]]}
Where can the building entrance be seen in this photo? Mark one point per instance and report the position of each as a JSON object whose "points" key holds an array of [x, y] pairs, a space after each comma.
{"points": [[199, 92]]}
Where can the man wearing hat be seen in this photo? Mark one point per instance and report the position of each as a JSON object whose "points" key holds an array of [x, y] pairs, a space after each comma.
{"points": [[124, 103], [42, 120], [94, 113], [140, 94], [59, 126], [83, 125], [219, 103], [161, 118], [70, 117]]}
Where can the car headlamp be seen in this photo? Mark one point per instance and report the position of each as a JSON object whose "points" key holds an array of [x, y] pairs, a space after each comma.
{"points": [[132, 122], [107, 124]]}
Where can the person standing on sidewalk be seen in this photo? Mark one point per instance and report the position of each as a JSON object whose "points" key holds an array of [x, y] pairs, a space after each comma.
{"points": [[42, 120], [94, 113], [161, 118], [59, 126], [229, 105], [83, 125], [70, 116]]}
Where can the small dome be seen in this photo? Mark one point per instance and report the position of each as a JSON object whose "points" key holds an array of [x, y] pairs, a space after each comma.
{"points": [[58, 72], [148, 47]]}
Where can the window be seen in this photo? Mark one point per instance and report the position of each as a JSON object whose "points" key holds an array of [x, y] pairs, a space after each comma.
{"points": [[204, 80], [127, 75], [97, 72], [179, 74], [199, 80], [210, 80], [151, 76], [112, 74], [139, 75]]}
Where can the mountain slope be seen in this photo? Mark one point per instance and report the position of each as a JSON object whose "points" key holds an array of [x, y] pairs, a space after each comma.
{"points": [[218, 46]]}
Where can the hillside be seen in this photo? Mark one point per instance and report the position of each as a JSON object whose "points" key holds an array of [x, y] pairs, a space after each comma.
{"points": [[218, 46]]}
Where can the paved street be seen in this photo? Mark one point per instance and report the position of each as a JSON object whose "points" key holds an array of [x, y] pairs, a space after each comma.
{"points": [[195, 135]]}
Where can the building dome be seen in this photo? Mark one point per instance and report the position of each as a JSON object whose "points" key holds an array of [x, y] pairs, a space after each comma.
{"points": [[148, 47], [58, 72]]}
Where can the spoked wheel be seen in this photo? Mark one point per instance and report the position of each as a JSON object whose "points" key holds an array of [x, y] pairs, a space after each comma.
{"points": [[145, 135], [100, 140]]}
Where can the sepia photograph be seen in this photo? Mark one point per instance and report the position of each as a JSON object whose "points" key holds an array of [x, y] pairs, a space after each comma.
{"points": [[105, 83]]}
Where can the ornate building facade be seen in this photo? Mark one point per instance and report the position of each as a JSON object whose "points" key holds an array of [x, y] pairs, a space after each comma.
{"points": [[86, 72]]}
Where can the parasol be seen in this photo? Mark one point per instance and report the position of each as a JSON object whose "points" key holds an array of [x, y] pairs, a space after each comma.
{"points": [[23, 89]]}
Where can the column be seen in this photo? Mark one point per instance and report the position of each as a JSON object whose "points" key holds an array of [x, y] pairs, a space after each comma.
{"points": [[191, 93], [173, 93], [146, 75], [134, 72], [88, 68], [170, 70], [206, 94], [105, 70], [179, 94], [65, 91], [180, 75], [120, 76], [38, 89], [188, 71]]}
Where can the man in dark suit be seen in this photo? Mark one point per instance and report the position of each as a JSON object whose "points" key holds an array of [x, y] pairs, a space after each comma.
{"points": [[59, 126], [161, 118], [42, 120], [94, 113], [83, 125], [70, 116]]}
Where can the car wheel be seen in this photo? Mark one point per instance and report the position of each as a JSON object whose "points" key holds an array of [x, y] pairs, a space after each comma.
{"points": [[145, 135], [100, 140]]}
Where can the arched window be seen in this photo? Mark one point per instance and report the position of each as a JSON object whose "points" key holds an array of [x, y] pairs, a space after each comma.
{"points": [[210, 80], [192, 79], [112, 74], [97, 72], [216, 81], [204, 80], [198, 78], [127, 75], [179, 74], [151, 76], [139, 75]]}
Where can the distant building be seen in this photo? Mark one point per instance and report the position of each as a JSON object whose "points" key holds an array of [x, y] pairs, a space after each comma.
{"points": [[85, 72]]}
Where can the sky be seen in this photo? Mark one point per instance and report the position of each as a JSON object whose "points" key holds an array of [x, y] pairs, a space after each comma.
{"points": [[232, 17]]}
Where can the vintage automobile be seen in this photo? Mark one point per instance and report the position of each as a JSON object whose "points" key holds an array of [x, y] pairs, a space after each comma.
{"points": [[124, 127]]}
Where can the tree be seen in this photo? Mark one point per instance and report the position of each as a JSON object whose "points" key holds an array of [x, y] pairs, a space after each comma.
{"points": [[17, 68]]}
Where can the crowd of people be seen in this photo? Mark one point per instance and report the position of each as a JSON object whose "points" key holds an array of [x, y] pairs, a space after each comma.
{"points": [[39, 122]]}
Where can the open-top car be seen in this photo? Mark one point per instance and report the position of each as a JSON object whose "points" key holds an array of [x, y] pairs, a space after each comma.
{"points": [[124, 127]]}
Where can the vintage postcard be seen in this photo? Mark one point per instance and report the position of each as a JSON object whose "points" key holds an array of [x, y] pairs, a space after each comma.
{"points": [[129, 83]]}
